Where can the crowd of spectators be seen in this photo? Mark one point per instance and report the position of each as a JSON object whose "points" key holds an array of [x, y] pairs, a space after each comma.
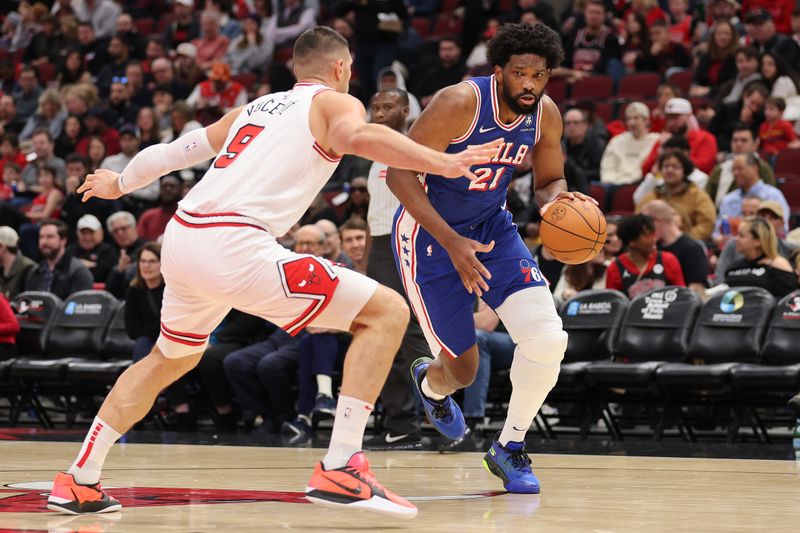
{"points": [[87, 84]]}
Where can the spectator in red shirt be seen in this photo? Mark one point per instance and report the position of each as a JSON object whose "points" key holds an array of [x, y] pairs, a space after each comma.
{"points": [[680, 29], [650, 10], [642, 267], [10, 152], [781, 11], [153, 221], [775, 133], [212, 45], [703, 145], [219, 91]]}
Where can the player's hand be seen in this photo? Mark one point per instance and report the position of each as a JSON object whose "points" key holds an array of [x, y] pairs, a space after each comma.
{"points": [[458, 165], [471, 271], [571, 196], [102, 184]]}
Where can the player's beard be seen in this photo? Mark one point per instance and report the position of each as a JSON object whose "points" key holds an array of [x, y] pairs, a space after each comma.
{"points": [[512, 101]]}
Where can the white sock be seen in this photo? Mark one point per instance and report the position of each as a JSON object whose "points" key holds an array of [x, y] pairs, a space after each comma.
{"points": [[87, 466], [351, 419], [426, 390], [531, 383], [325, 385]]}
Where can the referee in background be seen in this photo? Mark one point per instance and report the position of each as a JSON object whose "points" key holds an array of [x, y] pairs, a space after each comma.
{"points": [[402, 426]]}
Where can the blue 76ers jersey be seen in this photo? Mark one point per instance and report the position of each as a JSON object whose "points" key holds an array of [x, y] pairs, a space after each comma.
{"points": [[462, 202]]}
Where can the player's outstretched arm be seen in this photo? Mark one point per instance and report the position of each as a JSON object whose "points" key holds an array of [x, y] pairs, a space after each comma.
{"points": [[548, 160], [447, 117], [338, 122], [155, 161]]}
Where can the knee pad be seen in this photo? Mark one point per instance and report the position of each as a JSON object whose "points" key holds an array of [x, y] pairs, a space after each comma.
{"points": [[544, 347]]}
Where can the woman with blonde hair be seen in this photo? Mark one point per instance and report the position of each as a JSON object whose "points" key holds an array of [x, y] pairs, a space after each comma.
{"points": [[761, 266], [50, 115]]}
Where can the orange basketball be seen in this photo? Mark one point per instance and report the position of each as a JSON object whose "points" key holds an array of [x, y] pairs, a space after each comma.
{"points": [[573, 231]]}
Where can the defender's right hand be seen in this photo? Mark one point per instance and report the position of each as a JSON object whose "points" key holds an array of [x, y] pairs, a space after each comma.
{"points": [[102, 184], [471, 271], [458, 165]]}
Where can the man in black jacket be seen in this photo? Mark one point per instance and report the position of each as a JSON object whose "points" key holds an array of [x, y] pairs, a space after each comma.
{"points": [[58, 273]]}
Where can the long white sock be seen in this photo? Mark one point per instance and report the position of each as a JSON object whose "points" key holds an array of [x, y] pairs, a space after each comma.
{"points": [[531, 382], [351, 419], [325, 385], [87, 466], [427, 391]]}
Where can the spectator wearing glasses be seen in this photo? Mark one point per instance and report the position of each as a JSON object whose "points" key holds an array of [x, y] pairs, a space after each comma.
{"points": [[583, 150], [358, 203], [721, 180], [58, 273], [761, 265], [122, 227]]}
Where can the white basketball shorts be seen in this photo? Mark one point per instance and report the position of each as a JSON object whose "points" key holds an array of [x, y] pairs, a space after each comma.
{"points": [[215, 262]]}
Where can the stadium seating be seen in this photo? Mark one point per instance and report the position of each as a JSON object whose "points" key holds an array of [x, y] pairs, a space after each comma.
{"points": [[593, 87], [637, 86], [729, 331], [656, 330]]}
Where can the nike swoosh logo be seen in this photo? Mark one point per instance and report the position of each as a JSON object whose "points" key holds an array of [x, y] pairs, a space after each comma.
{"points": [[487, 129], [351, 490], [518, 429], [391, 439]]}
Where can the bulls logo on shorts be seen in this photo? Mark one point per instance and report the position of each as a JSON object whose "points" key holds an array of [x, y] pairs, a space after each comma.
{"points": [[308, 278]]}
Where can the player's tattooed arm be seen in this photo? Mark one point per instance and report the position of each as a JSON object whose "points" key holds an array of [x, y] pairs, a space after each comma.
{"points": [[548, 160]]}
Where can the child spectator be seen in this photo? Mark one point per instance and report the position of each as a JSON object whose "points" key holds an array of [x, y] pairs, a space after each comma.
{"points": [[775, 133]]}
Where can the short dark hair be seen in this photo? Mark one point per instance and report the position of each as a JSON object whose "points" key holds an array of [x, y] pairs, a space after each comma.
{"points": [[659, 23], [683, 159], [50, 170], [741, 126], [777, 101], [678, 142], [354, 222], [450, 39], [61, 228], [518, 39], [748, 51], [10, 138], [755, 87], [316, 40], [402, 95], [152, 247], [77, 158], [633, 227], [42, 131]]}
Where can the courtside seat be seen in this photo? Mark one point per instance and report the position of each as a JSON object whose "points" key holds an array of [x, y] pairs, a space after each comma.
{"points": [[76, 333], [729, 331], [117, 349], [778, 373], [35, 312], [591, 319], [655, 330]]}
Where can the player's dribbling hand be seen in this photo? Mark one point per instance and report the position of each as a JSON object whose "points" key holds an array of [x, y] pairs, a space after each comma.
{"points": [[575, 195], [102, 184], [458, 165], [471, 271]]}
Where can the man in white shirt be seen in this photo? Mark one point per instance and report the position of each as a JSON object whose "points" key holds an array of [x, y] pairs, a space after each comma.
{"points": [[402, 430], [623, 157]]}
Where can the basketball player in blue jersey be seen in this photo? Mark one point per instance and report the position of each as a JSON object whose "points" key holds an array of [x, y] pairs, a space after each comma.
{"points": [[454, 240]]}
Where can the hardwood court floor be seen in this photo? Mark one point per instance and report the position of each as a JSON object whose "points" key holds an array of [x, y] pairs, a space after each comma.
{"points": [[178, 488]]}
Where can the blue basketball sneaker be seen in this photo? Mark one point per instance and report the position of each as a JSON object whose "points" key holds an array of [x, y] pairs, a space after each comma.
{"points": [[445, 415], [511, 464]]}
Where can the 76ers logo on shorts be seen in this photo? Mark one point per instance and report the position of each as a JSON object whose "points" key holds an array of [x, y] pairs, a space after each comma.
{"points": [[311, 279], [530, 272]]}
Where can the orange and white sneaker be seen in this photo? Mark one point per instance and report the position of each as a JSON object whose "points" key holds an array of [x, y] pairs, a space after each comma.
{"points": [[354, 486], [69, 497]]}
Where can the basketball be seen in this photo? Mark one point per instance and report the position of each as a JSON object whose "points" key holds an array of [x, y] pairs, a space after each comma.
{"points": [[573, 231]]}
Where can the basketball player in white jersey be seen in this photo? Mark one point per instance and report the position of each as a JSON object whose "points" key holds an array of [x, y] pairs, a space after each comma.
{"points": [[272, 157]]}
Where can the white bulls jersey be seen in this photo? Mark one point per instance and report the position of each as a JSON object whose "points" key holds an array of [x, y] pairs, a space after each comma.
{"points": [[270, 168]]}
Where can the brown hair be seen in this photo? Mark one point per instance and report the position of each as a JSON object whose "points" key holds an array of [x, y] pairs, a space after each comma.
{"points": [[721, 54], [583, 276], [152, 247]]}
